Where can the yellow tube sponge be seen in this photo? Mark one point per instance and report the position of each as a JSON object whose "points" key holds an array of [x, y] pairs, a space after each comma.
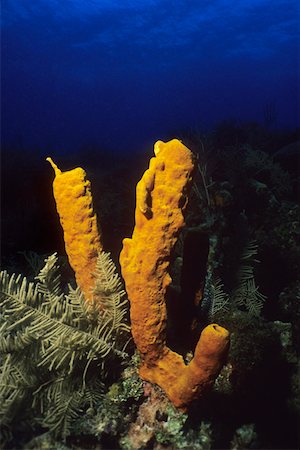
{"points": [[72, 193], [161, 198]]}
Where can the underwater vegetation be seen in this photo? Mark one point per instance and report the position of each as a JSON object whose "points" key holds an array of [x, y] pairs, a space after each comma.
{"points": [[56, 349], [215, 241]]}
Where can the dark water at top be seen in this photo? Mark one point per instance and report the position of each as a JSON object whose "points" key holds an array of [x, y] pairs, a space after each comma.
{"points": [[124, 74]]}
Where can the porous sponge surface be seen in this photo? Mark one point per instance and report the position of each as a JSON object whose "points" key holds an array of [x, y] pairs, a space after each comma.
{"points": [[161, 198], [72, 193]]}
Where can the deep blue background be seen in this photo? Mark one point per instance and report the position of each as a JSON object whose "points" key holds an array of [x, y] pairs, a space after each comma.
{"points": [[122, 74]]}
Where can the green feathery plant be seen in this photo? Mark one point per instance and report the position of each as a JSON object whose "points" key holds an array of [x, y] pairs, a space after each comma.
{"points": [[219, 301], [55, 347], [244, 296]]}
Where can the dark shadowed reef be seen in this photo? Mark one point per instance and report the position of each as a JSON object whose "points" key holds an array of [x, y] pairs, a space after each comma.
{"points": [[236, 263]]}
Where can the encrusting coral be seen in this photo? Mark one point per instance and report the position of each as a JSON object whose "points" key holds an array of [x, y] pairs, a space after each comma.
{"points": [[72, 193], [161, 198]]}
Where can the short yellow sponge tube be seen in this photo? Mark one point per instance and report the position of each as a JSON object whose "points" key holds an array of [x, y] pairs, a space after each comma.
{"points": [[161, 197], [72, 193]]}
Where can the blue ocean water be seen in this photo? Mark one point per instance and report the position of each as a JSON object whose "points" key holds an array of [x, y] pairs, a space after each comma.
{"points": [[123, 74]]}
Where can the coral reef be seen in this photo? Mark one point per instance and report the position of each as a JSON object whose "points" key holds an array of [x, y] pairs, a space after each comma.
{"points": [[67, 380], [159, 425], [161, 197]]}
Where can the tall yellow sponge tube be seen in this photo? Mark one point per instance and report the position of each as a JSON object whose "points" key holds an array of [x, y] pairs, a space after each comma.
{"points": [[72, 193], [161, 198]]}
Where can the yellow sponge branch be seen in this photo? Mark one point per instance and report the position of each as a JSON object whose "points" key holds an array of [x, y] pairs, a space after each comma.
{"points": [[57, 171], [161, 198], [72, 193]]}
